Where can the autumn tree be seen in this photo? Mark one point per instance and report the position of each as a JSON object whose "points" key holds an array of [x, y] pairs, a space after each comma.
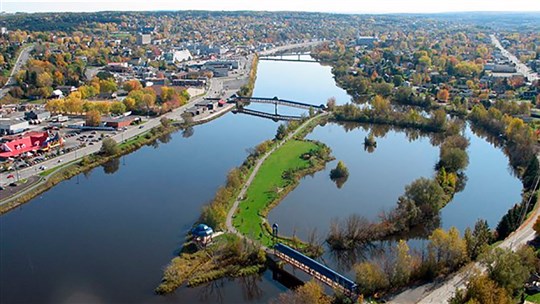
{"points": [[107, 86], [402, 267], [443, 95], [446, 250], [130, 103], [340, 171], [55, 105], [93, 118], [482, 290], [131, 85], [536, 226], [309, 293], [117, 108], [331, 103], [370, 278], [510, 269], [109, 147], [438, 119], [422, 199], [381, 106], [44, 80], [73, 104]]}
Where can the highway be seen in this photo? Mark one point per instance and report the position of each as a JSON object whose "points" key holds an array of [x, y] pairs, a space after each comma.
{"points": [[520, 66], [24, 55]]}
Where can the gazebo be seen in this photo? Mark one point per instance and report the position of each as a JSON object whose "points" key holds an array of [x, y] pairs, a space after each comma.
{"points": [[202, 234]]}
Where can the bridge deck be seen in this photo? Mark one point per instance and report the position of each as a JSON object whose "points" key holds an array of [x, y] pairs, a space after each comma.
{"points": [[318, 270], [280, 101], [269, 115]]}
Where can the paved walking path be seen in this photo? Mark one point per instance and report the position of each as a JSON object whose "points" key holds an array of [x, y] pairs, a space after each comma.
{"points": [[247, 184]]}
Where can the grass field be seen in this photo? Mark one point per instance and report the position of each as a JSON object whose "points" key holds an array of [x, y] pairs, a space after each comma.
{"points": [[266, 186], [535, 298]]}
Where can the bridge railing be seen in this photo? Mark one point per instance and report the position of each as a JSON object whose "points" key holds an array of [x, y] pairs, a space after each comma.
{"points": [[315, 269]]}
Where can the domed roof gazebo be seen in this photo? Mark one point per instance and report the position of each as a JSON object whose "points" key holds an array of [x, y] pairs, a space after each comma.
{"points": [[202, 234]]}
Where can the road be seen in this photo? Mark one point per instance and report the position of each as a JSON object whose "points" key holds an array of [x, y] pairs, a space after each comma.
{"points": [[24, 55], [520, 67], [441, 292], [215, 85], [215, 89], [247, 184]]}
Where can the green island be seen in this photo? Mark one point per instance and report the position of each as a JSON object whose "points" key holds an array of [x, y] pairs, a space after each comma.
{"points": [[285, 160], [278, 175]]}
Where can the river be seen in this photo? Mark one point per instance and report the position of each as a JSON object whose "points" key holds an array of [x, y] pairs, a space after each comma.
{"points": [[105, 236]]}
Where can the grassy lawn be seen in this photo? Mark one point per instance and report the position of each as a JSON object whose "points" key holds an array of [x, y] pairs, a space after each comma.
{"points": [[263, 189], [134, 140], [533, 298]]}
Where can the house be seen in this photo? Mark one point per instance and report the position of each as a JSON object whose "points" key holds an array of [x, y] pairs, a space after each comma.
{"points": [[13, 126]]}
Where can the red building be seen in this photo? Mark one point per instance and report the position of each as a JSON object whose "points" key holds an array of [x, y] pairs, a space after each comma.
{"points": [[119, 123], [29, 142]]}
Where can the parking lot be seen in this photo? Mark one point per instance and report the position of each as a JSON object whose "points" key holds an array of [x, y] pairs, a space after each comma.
{"points": [[73, 140]]}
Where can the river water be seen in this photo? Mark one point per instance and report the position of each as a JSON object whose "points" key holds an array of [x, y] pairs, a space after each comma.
{"points": [[105, 236]]}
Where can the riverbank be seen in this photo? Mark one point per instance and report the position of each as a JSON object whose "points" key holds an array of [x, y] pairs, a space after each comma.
{"points": [[82, 165], [272, 170]]}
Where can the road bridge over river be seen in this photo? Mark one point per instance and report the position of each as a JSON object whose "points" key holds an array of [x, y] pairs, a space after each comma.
{"points": [[288, 57]]}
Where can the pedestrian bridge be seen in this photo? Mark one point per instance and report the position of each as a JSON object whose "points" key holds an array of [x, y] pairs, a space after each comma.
{"points": [[275, 101], [316, 270], [274, 117]]}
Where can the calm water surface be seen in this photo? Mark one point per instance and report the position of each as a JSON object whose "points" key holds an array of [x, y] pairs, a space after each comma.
{"points": [[105, 237]]}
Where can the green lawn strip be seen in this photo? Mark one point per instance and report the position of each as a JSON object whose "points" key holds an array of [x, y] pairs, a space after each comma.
{"points": [[535, 298], [265, 186]]}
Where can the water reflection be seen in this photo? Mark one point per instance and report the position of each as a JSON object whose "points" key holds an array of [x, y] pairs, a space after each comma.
{"points": [[340, 181], [188, 132], [165, 138], [111, 166], [215, 291]]}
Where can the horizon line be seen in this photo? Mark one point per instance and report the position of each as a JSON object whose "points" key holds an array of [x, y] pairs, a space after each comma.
{"points": [[276, 11]]}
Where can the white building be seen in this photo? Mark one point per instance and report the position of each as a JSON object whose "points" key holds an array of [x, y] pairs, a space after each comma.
{"points": [[13, 126], [178, 56]]}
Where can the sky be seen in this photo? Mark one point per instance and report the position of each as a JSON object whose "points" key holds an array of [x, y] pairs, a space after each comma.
{"points": [[334, 6]]}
